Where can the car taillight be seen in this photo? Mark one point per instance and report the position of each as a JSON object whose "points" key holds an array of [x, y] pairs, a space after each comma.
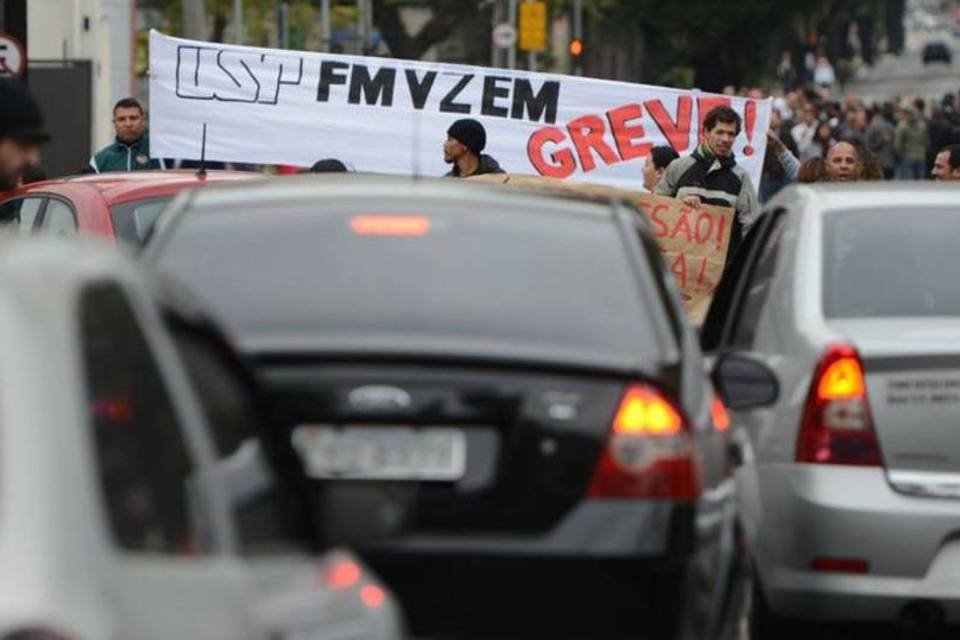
{"points": [[649, 453], [837, 426]]}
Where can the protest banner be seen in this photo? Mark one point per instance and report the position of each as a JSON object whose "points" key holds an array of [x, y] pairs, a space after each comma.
{"points": [[693, 241], [391, 116]]}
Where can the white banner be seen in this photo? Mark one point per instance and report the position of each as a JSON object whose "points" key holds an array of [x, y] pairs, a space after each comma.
{"points": [[383, 115]]}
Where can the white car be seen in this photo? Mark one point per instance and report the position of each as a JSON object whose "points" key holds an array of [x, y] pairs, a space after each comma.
{"points": [[838, 332], [129, 506]]}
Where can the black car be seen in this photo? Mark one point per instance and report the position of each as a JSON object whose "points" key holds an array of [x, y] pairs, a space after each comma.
{"points": [[495, 392], [934, 51]]}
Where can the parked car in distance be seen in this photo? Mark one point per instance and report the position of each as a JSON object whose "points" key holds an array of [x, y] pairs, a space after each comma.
{"points": [[116, 206], [937, 52], [136, 505], [844, 299], [498, 386]]}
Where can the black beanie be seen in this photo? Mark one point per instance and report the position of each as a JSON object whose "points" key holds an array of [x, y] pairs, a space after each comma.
{"points": [[469, 133]]}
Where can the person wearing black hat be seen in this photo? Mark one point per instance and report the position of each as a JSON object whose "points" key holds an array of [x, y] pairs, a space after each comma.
{"points": [[21, 130], [328, 165], [465, 140]]}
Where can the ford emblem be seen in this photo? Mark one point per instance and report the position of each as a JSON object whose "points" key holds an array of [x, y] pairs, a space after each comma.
{"points": [[379, 398]]}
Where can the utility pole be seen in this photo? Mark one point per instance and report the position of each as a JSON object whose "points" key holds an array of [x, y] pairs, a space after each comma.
{"points": [[283, 24], [238, 35], [326, 30], [496, 18], [512, 19], [362, 35], [194, 20], [578, 35]]}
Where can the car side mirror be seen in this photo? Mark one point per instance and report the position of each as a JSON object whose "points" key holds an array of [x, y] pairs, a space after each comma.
{"points": [[744, 383]]}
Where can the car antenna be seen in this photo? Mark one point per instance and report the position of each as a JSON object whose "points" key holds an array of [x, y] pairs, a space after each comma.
{"points": [[202, 171]]}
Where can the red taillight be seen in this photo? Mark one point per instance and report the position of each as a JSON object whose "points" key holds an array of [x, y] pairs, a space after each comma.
{"points": [[837, 426], [840, 565], [343, 575], [373, 596], [649, 453], [390, 225]]}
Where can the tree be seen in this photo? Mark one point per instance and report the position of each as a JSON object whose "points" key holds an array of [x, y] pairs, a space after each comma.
{"points": [[447, 16]]}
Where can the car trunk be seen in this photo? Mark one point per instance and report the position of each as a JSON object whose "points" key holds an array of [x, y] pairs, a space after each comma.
{"points": [[912, 368], [531, 439]]}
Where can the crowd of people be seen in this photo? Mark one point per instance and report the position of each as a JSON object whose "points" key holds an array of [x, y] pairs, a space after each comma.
{"points": [[814, 138]]}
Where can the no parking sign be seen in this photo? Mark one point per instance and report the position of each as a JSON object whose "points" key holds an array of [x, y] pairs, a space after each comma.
{"points": [[13, 59]]}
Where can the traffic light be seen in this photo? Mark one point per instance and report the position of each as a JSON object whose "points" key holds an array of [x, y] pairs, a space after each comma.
{"points": [[576, 48]]}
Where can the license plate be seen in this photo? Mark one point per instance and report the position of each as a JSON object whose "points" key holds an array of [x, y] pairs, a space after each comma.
{"points": [[381, 453]]}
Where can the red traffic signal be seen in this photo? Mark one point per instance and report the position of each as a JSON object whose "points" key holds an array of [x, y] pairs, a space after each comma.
{"points": [[576, 47]]}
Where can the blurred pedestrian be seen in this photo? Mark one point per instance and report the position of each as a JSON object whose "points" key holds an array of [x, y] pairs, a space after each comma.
{"points": [[21, 130], [854, 127], [820, 144], [711, 175], [879, 141], [658, 161], [130, 151], [824, 75], [780, 167], [812, 170], [947, 165], [910, 141], [804, 131], [843, 163], [328, 165], [786, 72], [466, 139]]}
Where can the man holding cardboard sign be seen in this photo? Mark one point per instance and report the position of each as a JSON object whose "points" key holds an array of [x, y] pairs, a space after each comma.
{"points": [[711, 175]]}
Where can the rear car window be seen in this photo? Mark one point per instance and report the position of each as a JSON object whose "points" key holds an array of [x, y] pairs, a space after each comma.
{"points": [[450, 277], [891, 263], [133, 220]]}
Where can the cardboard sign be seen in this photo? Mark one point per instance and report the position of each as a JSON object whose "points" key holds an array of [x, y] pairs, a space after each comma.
{"points": [[693, 241], [391, 116]]}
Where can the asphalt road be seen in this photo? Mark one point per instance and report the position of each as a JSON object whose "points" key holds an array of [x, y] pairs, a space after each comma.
{"points": [[906, 75]]}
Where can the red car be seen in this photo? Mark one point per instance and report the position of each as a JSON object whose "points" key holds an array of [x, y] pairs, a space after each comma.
{"points": [[119, 206]]}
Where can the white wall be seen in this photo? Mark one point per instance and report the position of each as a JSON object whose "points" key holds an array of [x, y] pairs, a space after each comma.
{"points": [[56, 29]]}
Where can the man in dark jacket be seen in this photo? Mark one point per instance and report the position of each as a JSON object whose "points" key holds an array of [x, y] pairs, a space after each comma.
{"points": [[465, 140], [21, 130], [711, 175], [131, 150]]}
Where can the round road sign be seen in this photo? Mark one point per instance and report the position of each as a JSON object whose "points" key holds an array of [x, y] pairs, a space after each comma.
{"points": [[13, 60], [505, 35]]}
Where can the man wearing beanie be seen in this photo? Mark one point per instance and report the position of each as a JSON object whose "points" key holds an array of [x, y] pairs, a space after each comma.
{"points": [[21, 130], [465, 140]]}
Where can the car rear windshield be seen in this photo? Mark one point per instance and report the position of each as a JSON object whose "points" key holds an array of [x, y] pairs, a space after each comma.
{"points": [[133, 220], [890, 263], [466, 276]]}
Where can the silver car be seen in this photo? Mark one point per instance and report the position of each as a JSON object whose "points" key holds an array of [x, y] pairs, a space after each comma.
{"points": [[837, 330], [121, 516]]}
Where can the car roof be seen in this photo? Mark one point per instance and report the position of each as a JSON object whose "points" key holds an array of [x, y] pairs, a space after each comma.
{"points": [[44, 268], [317, 187], [879, 194], [123, 186]]}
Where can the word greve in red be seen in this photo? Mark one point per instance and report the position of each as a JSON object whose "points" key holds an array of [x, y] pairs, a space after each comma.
{"points": [[618, 135]]}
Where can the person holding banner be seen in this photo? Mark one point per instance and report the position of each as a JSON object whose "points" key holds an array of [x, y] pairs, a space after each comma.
{"points": [[711, 175], [466, 138], [655, 166]]}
